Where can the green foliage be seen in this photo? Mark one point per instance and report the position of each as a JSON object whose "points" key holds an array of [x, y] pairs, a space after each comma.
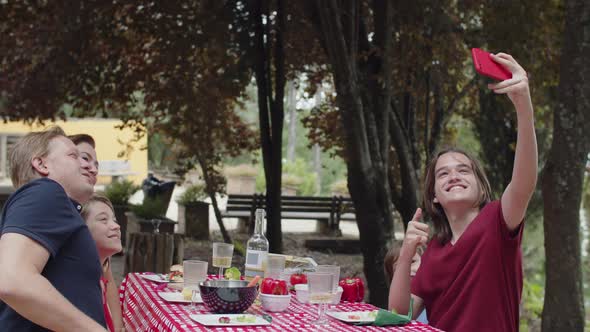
{"points": [[151, 208], [532, 305], [297, 174], [162, 154], [586, 192], [119, 192], [340, 187], [240, 170], [533, 259], [302, 171], [460, 132], [260, 180], [239, 248], [192, 194]]}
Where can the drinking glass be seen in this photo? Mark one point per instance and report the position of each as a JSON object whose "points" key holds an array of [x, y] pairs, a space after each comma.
{"points": [[275, 265], [194, 272], [222, 255], [320, 292], [334, 270]]}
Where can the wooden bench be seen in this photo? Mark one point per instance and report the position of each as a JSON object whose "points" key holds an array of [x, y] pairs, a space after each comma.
{"points": [[331, 209]]}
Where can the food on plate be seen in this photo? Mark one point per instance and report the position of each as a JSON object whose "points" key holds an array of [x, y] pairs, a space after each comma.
{"points": [[246, 319], [298, 278], [187, 293], [239, 319], [232, 274], [362, 315], [353, 289], [274, 286], [176, 273]]}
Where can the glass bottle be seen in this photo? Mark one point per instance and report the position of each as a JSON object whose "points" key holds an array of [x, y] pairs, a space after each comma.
{"points": [[256, 248]]}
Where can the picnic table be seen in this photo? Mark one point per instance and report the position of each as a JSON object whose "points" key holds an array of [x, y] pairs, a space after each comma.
{"points": [[144, 310]]}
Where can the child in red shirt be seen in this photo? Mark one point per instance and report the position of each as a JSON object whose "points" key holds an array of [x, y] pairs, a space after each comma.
{"points": [[470, 278]]}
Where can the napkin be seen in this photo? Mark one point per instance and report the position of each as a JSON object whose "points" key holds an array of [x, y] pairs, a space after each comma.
{"points": [[385, 318]]}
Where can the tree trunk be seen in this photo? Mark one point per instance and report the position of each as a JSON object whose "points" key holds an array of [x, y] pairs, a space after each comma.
{"points": [[317, 167], [292, 113], [407, 199], [563, 177], [207, 179], [317, 152], [365, 117], [271, 111], [149, 252]]}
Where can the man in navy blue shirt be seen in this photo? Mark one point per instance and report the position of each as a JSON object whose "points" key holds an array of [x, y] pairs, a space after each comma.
{"points": [[49, 265]]}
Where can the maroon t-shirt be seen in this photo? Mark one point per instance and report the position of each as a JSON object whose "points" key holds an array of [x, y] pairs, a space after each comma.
{"points": [[475, 284]]}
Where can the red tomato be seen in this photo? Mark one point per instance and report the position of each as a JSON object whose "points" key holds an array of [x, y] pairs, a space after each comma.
{"points": [[298, 278], [274, 286]]}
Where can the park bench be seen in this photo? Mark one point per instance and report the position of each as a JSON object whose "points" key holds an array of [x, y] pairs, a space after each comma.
{"points": [[331, 209]]}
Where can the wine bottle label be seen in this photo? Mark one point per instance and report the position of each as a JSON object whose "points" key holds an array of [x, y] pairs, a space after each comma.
{"points": [[254, 258]]}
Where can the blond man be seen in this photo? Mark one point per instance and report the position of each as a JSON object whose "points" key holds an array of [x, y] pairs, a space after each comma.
{"points": [[49, 265]]}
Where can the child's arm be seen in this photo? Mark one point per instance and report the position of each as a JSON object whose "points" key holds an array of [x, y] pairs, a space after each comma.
{"points": [[113, 300], [517, 195], [399, 289]]}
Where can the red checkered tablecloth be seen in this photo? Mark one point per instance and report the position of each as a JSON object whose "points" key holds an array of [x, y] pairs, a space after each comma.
{"points": [[144, 310]]}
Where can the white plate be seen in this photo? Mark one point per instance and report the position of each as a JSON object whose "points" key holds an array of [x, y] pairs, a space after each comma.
{"points": [[213, 320], [178, 298], [157, 278], [363, 316]]}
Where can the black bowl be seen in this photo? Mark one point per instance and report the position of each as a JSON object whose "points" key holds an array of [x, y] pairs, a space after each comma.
{"points": [[227, 296]]}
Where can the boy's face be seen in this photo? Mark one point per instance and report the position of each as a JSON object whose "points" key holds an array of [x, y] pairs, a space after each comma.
{"points": [[455, 181], [416, 260], [88, 162]]}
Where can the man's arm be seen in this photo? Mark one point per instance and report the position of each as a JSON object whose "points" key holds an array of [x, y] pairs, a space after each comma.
{"points": [[21, 262], [517, 195]]}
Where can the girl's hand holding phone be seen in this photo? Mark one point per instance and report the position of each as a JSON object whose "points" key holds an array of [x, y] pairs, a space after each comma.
{"points": [[517, 87]]}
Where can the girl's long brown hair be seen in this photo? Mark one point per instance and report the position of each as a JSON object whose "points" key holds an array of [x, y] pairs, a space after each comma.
{"points": [[442, 229]]}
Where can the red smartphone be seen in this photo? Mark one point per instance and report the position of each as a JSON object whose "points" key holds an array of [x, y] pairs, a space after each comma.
{"points": [[486, 66]]}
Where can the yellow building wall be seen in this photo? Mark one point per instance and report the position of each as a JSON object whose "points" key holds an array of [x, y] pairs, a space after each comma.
{"points": [[110, 141]]}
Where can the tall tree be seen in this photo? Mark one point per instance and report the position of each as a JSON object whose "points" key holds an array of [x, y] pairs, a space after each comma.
{"points": [[262, 26], [563, 176], [366, 120]]}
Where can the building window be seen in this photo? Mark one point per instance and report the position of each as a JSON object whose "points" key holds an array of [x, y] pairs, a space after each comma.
{"points": [[7, 141]]}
